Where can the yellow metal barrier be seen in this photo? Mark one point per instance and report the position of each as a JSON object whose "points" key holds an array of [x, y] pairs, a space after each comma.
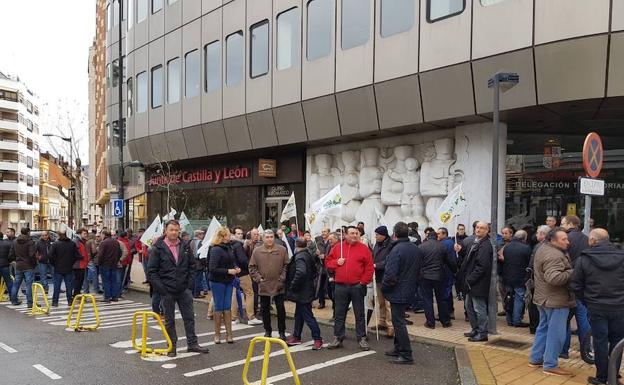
{"points": [[265, 362], [3, 287], [36, 309], [144, 349], [83, 300]]}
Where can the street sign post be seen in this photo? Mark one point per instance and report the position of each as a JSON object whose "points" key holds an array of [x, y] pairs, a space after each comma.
{"points": [[593, 156], [118, 208]]}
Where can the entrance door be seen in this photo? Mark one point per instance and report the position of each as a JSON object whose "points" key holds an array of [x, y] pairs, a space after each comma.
{"points": [[272, 213]]}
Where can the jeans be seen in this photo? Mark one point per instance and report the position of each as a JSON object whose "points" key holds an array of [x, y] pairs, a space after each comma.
{"points": [[428, 288], [401, 339], [549, 337], [607, 330], [23, 275], [448, 294], [69, 285], [5, 272], [200, 283], [303, 314], [43, 269], [265, 305], [110, 281], [92, 276], [343, 295], [582, 323], [476, 307], [518, 305], [221, 295], [237, 300], [185, 304]]}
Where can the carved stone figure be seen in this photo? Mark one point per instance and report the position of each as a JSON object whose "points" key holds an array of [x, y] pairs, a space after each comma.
{"points": [[392, 188], [412, 205], [435, 177], [350, 186], [370, 189]]}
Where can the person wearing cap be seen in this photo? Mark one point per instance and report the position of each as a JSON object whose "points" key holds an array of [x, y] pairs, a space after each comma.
{"points": [[380, 255]]}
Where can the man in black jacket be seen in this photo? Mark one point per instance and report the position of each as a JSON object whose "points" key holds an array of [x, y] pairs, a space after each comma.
{"points": [[5, 262], [514, 261], [43, 266], [171, 272], [23, 252], [245, 290], [474, 279], [380, 254], [431, 280], [63, 254], [598, 281]]}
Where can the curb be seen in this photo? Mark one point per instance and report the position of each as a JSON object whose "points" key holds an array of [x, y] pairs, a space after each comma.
{"points": [[464, 367]]}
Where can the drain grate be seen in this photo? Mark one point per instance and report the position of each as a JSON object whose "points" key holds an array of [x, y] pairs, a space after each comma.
{"points": [[510, 344]]}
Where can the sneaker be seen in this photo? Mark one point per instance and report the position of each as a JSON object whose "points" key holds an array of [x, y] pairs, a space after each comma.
{"points": [[364, 344], [318, 345], [235, 322], [335, 344], [558, 372], [292, 341], [255, 321]]}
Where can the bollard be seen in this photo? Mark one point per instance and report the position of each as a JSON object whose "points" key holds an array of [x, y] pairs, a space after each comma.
{"points": [[3, 287], [83, 300], [36, 309], [614, 360], [144, 349], [265, 361]]}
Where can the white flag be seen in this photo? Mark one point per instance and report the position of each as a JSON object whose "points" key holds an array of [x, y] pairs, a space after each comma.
{"points": [[212, 229], [154, 230], [330, 205], [285, 240], [453, 205], [185, 224], [169, 216], [290, 210], [260, 230]]}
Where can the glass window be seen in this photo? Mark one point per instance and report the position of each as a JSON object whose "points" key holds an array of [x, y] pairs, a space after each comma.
{"points": [[156, 5], [116, 12], [129, 97], [109, 18], [320, 25], [259, 43], [157, 86], [125, 10], [485, 3], [355, 23], [130, 13], [288, 40], [441, 9], [124, 64], [234, 58], [141, 99], [115, 75], [173, 80], [141, 10], [396, 16], [191, 74], [212, 59], [108, 75]]}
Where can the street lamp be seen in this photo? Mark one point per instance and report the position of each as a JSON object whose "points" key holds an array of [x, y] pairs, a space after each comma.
{"points": [[501, 81], [71, 174]]}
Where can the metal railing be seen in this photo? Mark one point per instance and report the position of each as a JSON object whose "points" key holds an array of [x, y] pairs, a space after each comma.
{"points": [[265, 361], [614, 360]]}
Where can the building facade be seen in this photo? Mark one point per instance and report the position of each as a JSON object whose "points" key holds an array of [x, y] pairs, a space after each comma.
{"points": [[54, 191], [387, 98], [19, 154]]}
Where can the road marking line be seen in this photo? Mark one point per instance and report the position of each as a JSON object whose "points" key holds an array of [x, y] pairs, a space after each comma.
{"points": [[47, 372], [58, 311], [89, 312], [298, 348], [7, 348], [178, 316], [128, 343], [314, 367], [123, 317]]}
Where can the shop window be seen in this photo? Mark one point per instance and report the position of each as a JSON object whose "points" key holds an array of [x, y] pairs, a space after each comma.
{"points": [[234, 58], [141, 92], [259, 47], [319, 31], [396, 16], [288, 40], [355, 24], [141, 10], [212, 66], [191, 74], [157, 86], [173, 80], [442, 9]]}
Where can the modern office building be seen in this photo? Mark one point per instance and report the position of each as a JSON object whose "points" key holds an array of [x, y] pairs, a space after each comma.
{"points": [[232, 105], [19, 154]]}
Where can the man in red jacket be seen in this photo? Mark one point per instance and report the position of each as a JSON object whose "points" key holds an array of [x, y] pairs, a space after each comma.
{"points": [[352, 263], [80, 267]]}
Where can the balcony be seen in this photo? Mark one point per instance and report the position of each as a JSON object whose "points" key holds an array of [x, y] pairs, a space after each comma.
{"points": [[8, 165], [8, 185], [9, 125], [9, 143], [9, 104]]}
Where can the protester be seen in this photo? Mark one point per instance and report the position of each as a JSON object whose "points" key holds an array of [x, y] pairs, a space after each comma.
{"points": [[553, 297], [249, 246], [92, 269], [125, 261], [380, 254], [171, 271], [505, 237], [80, 266], [108, 256], [267, 268], [200, 264], [300, 288], [222, 270], [474, 279], [63, 255], [432, 279], [540, 235], [23, 252], [399, 286], [449, 275], [352, 263], [323, 246], [43, 266], [333, 239], [5, 262], [514, 260], [551, 222], [414, 237], [460, 233]]}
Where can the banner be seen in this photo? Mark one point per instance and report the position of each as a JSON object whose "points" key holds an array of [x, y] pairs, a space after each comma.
{"points": [[212, 229], [453, 205], [285, 240], [321, 211], [169, 216], [185, 224], [260, 230], [290, 210], [153, 231]]}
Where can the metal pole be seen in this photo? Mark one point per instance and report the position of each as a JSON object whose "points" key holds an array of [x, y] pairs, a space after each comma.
{"points": [[70, 195], [492, 303], [120, 124], [586, 228], [614, 360]]}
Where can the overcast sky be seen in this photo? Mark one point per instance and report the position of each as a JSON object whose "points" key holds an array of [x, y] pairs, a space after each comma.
{"points": [[46, 43]]}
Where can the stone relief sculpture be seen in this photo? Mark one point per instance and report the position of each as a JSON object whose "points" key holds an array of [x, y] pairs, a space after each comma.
{"points": [[350, 186], [435, 176], [392, 188], [412, 206], [370, 189]]}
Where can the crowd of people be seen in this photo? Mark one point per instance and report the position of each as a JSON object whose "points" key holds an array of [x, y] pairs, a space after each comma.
{"points": [[556, 274]]}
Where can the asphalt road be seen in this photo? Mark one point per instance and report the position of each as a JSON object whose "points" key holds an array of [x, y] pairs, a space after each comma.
{"points": [[106, 357]]}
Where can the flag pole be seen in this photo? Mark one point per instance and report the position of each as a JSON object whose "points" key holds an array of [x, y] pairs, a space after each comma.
{"points": [[376, 304]]}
